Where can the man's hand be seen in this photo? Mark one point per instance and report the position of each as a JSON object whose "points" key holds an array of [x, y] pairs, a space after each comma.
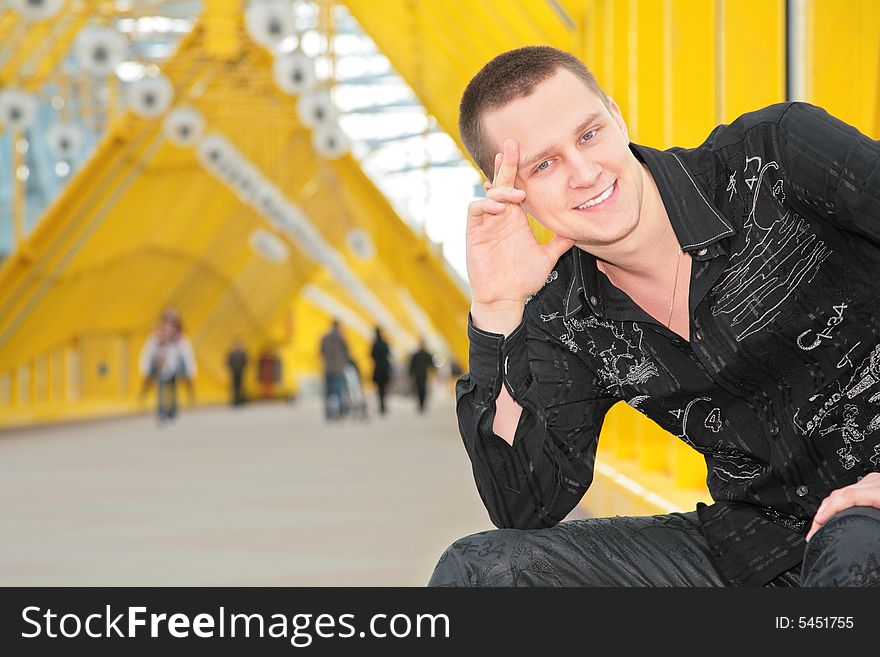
{"points": [[505, 263], [863, 493]]}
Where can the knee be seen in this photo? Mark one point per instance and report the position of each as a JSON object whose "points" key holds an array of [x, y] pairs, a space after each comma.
{"points": [[476, 560], [845, 551]]}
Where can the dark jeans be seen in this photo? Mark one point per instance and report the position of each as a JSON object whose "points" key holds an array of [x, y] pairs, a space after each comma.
{"points": [[237, 389], [421, 394], [335, 396], [664, 550], [166, 399]]}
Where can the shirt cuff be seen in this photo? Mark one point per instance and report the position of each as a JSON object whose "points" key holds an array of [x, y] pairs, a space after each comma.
{"points": [[494, 358]]}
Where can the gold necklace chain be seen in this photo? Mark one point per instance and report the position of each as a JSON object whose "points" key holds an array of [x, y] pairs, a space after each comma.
{"points": [[674, 289]]}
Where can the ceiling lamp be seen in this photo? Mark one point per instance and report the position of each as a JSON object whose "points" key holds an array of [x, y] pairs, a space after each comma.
{"points": [[17, 109], [269, 22], [64, 140], [150, 97], [183, 126], [329, 141], [269, 246], [294, 73], [36, 10], [359, 242], [316, 108], [212, 151], [99, 50]]}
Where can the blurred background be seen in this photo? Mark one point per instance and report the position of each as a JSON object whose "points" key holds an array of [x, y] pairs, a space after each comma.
{"points": [[192, 192]]}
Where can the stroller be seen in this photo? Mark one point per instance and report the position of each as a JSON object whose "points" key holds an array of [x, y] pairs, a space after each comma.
{"points": [[357, 401]]}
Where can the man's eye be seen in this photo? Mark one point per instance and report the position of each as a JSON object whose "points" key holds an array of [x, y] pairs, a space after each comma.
{"points": [[543, 166], [587, 136]]}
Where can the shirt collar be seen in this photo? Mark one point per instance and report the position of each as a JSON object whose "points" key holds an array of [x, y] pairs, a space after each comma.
{"points": [[698, 225]]}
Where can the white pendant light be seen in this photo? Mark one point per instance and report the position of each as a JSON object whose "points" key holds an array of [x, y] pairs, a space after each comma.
{"points": [[316, 108], [99, 50], [150, 97], [64, 140], [294, 73], [18, 109], [329, 141], [269, 22], [36, 10], [183, 126]]}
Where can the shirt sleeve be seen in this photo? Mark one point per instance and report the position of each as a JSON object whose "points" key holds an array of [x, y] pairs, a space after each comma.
{"points": [[538, 480], [833, 169]]}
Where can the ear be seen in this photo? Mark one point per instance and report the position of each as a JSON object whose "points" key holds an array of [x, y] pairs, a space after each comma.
{"points": [[617, 115]]}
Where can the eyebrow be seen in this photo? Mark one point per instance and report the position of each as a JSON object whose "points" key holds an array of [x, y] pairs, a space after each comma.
{"points": [[549, 150]]}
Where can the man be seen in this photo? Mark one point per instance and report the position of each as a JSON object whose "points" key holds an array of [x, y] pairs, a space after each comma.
{"points": [[334, 351], [236, 361], [725, 291], [381, 355], [420, 364]]}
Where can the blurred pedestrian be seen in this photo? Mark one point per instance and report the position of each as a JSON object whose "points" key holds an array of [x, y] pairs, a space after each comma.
{"points": [[419, 366], [237, 361], [334, 352], [381, 354], [166, 358]]}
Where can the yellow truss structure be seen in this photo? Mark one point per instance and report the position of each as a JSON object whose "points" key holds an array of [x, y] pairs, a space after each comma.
{"points": [[144, 225]]}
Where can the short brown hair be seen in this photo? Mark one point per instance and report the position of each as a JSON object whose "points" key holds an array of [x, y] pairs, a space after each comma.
{"points": [[512, 74]]}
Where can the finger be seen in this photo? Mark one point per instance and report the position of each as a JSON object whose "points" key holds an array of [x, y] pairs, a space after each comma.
{"points": [[506, 195], [486, 206], [498, 157], [834, 504], [813, 529], [506, 176]]}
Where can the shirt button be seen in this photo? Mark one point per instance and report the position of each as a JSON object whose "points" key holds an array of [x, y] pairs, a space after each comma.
{"points": [[703, 251], [593, 301], [802, 491], [774, 429], [697, 336]]}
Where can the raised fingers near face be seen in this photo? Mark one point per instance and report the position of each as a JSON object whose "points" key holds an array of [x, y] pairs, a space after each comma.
{"points": [[506, 169]]}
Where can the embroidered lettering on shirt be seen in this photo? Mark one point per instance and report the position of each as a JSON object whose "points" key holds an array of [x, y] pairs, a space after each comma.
{"points": [[809, 340]]}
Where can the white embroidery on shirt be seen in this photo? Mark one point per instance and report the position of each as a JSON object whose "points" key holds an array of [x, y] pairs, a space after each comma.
{"points": [[774, 260], [635, 401], [736, 465], [623, 360], [827, 409], [731, 186], [810, 339]]}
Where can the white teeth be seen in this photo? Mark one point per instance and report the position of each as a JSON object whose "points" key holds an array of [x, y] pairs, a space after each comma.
{"points": [[595, 201]]}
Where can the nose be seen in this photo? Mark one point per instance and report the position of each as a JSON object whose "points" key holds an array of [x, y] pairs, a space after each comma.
{"points": [[583, 173]]}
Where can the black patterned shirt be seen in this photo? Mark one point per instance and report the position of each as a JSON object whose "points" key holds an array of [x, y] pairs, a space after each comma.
{"points": [[779, 385]]}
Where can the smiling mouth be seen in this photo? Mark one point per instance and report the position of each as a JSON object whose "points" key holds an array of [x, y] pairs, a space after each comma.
{"points": [[604, 196]]}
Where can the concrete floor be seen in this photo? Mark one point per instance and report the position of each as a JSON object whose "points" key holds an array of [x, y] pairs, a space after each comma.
{"points": [[264, 495]]}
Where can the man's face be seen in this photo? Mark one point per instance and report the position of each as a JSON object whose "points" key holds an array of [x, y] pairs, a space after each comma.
{"points": [[580, 178]]}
